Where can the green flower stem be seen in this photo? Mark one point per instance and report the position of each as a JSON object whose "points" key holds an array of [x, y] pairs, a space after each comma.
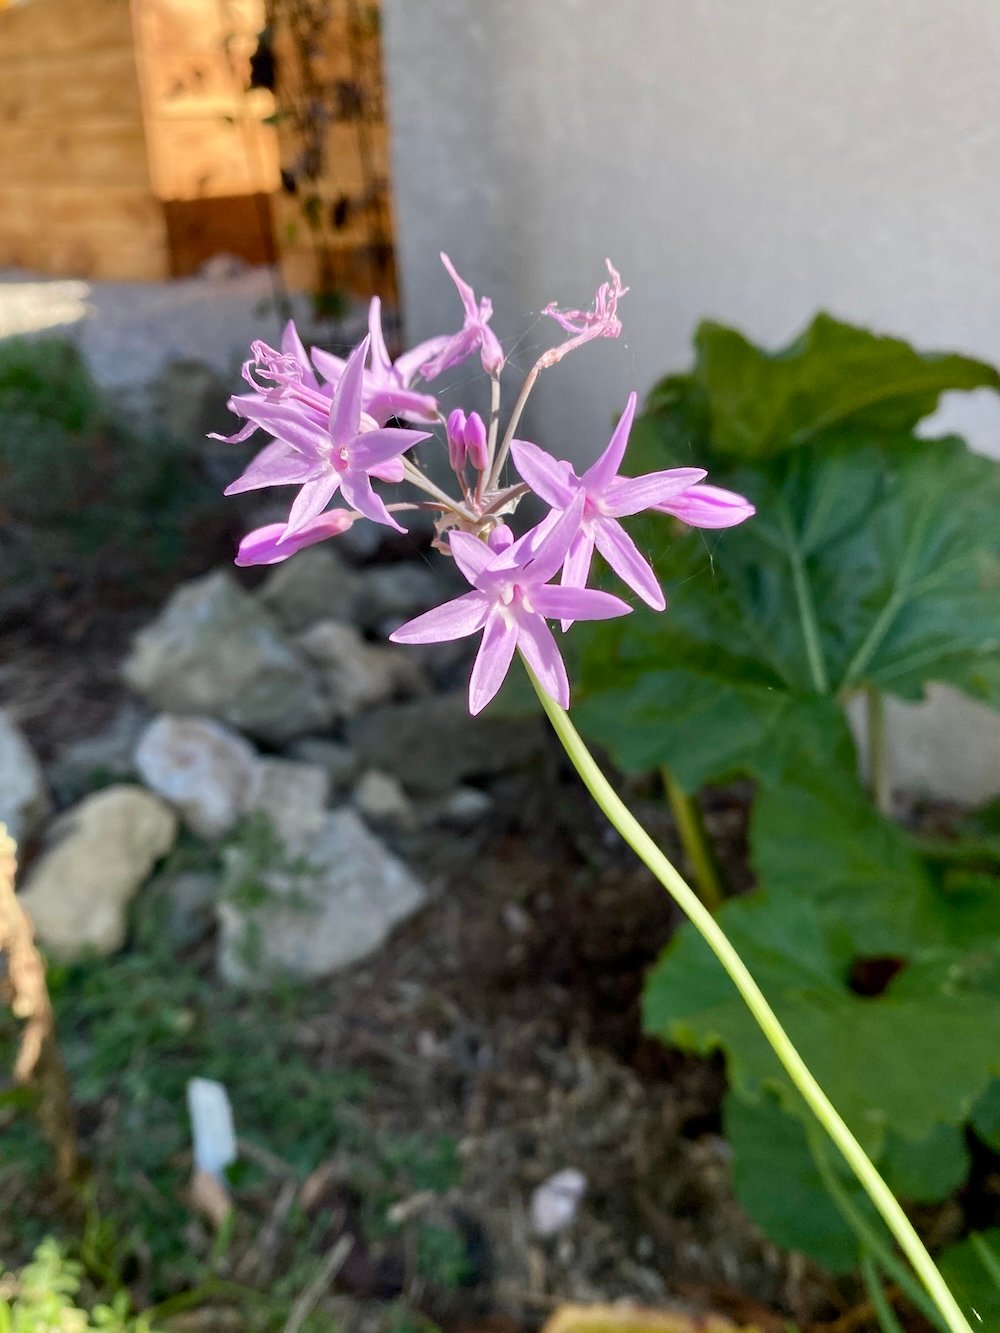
{"points": [[868, 1238], [879, 778], [694, 840], [880, 1302], [646, 849]]}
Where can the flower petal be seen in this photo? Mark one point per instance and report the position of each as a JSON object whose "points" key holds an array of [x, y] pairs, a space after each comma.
{"points": [[622, 554], [329, 366], [630, 495], [466, 293], [313, 498], [381, 366], [345, 406], [275, 465], [471, 555], [569, 604], [291, 345], [546, 555], [455, 349], [408, 365], [600, 474], [492, 661], [550, 478], [535, 640], [264, 546], [453, 620], [391, 470], [385, 403], [358, 493], [709, 507], [376, 446]]}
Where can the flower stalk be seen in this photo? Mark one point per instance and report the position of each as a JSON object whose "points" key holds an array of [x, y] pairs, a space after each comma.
{"points": [[879, 776], [625, 823], [694, 840]]}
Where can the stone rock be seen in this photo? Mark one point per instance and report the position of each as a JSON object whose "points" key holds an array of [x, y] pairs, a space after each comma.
{"points": [[391, 594], [207, 772], [315, 585], [338, 761], [464, 807], [293, 797], [189, 399], [109, 753], [96, 858], [357, 674], [333, 906], [433, 744], [383, 802], [215, 651], [24, 797], [189, 899]]}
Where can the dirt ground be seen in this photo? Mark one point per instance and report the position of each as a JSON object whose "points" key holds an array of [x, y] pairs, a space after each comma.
{"points": [[506, 1016]]}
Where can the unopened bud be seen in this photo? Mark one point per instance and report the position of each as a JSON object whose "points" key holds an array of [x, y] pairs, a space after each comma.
{"points": [[457, 449], [475, 442]]}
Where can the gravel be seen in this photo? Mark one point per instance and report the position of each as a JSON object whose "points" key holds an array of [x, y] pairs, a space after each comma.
{"points": [[129, 332]]}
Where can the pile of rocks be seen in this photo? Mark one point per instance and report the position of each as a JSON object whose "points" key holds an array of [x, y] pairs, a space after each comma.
{"points": [[282, 733]]}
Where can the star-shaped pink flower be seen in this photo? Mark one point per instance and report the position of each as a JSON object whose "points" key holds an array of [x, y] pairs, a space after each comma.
{"points": [[474, 333], [606, 497], [386, 390], [342, 456], [512, 597]]}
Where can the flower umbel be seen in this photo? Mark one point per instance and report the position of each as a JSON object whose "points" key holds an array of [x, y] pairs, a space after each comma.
{"points": [[329, 423]]}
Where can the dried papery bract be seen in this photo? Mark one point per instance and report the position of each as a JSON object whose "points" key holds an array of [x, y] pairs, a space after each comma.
{"points": [[38, 1064]]}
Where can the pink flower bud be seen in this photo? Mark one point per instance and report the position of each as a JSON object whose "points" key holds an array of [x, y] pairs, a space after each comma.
{"points": [[475, 442], [269, 546], [457, 449]]}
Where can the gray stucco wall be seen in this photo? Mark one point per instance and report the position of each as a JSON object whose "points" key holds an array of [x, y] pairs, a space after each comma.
{"points": [[749, 160]]}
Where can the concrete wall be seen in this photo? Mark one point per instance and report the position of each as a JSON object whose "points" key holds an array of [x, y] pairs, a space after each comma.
{"points": [[749, 160]]}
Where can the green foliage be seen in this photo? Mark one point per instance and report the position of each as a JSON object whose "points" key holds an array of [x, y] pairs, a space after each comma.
{"points": [[133, 1030], [43, 1298], [874, 557], [873, 562], [972, 1270], [80, 492]]}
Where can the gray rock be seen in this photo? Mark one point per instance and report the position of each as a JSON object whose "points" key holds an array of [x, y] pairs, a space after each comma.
{"points": [[312, 916], [391, 594], [339, 762], [214, 650], [24, 797], [190, 899], [207, 772], [109, 753], [97, 856], [383, 802], [312, 586], [464, 807], [357, 675], [433, 745], [293, 797], [189, 399]]}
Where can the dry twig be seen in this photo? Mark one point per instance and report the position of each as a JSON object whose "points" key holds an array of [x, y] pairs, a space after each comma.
{"points": [[38, 1063]]}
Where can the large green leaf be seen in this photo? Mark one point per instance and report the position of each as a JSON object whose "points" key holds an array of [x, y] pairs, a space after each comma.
{"points": [[972, 1271], [776, 1179], [909, 1061], [760, 403], [778, 1183], [874, 559]]}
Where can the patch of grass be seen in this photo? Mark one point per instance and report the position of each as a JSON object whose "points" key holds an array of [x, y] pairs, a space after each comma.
{"points": [[83, 494], [133, 1030]]}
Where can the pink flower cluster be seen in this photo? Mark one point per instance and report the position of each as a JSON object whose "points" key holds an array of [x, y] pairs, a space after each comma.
{"points": [[337, 426]]}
